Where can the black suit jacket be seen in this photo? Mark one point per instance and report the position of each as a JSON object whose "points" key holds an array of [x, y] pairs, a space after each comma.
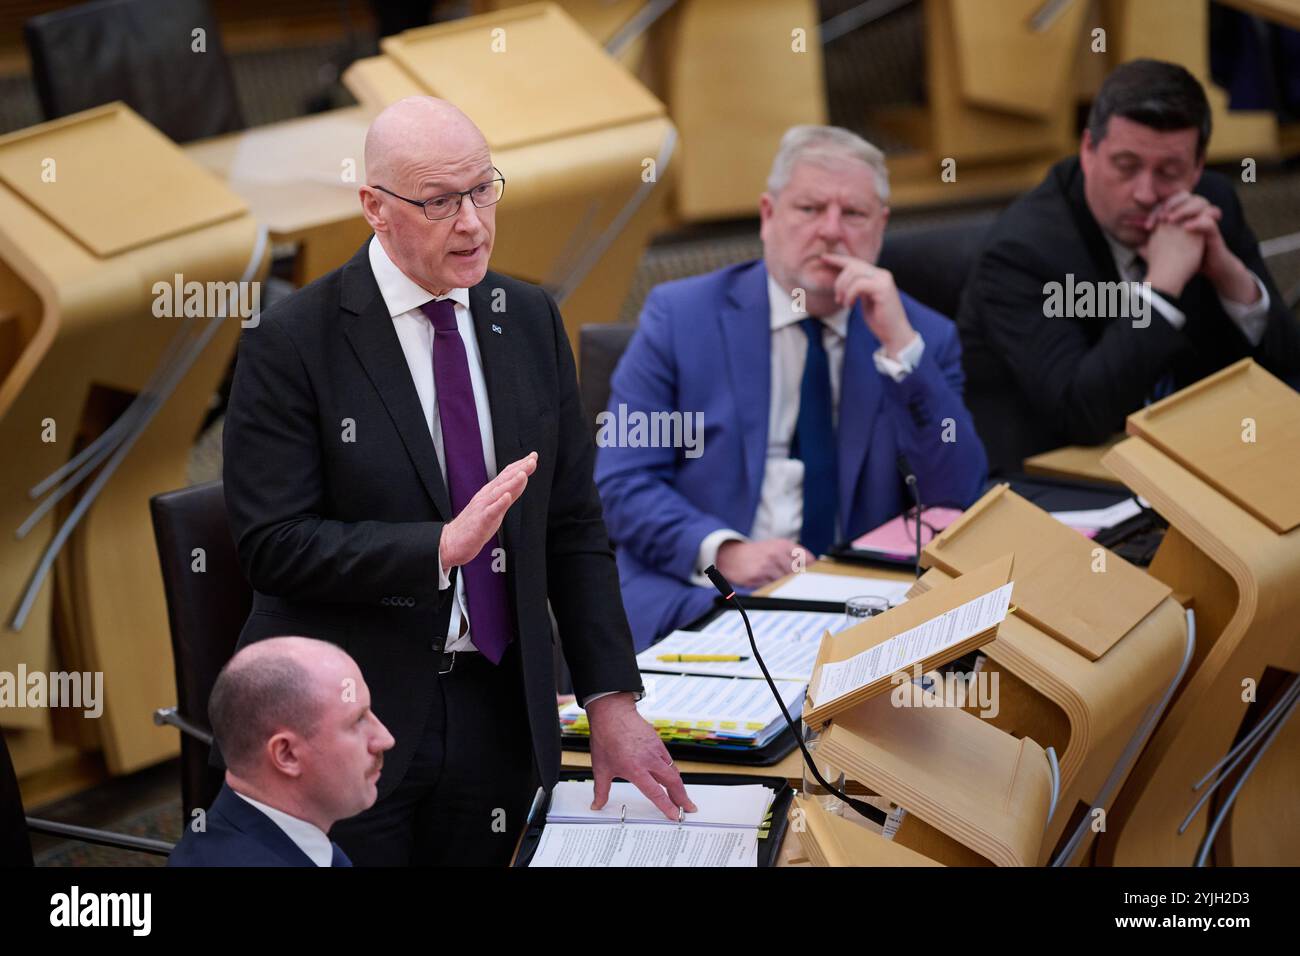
{"points": [[337, 503], [1035, 383], [236, 833]]}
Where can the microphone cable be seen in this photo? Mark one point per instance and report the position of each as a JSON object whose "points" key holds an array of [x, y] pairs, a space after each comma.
{"points": [[728, 593]]}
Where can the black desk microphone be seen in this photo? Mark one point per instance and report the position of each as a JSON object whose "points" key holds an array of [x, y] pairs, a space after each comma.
{"points": [[909, 477]]}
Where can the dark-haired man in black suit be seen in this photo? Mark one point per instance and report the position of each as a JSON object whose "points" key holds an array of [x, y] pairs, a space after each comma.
{"points": [[1056, 349], [383, 425]]}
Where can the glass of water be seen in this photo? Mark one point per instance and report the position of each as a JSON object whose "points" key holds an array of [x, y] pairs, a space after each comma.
{"points": [[858, 609], [814, 790]]}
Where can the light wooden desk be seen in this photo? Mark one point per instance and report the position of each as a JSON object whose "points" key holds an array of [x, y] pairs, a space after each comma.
{"points": [[1234, 544], [1074, 461], [78, 265]]}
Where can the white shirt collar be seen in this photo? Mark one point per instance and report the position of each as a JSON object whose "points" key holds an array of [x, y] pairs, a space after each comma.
{"points": [[783, 313], [401, 295], [308, 837]]}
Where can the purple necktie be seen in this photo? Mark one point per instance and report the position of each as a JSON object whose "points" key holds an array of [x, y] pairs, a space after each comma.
{"points": [[462, 448]]}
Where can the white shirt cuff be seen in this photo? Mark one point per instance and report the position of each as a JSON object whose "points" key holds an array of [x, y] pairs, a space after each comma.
{"points": [[1251, 318], [908, 358], [708, 553], [444, 577], [586, 703], [1172, 314]]}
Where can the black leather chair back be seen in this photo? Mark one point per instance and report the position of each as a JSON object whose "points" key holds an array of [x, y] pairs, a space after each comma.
{"points": [[141, 52], [599, 349], [15, 844], [206, 609], [932, 263]]}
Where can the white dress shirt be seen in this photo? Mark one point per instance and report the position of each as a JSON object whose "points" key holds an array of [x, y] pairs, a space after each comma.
{"points": [[403, 298], [1251, 318], [780, 504], [307, 837]]}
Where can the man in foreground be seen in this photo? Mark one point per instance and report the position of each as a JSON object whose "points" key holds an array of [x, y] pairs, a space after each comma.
{"points": [[302, 749]]}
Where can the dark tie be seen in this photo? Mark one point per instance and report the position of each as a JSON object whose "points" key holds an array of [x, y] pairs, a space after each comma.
{"points": [[814, 444], [462, 448], [1164, 386], [340, 858]]}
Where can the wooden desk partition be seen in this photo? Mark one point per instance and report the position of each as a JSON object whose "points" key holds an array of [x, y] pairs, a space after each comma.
{"points": [[1090, 712], [1001, 123], [736, 77], [1011, 59], [1239, 432], [1069, 587], [975, 794], [1074, 462], [1090, 651], [829, 840], [523, 57], [982, 795], [601, 18], [1179, 32], [95, 208], [1244, 576]]}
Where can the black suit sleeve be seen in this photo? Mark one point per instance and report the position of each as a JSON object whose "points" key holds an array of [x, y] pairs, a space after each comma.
{"points": [[1279, 349], [275, 495], [581, 572], [1085, 388]]}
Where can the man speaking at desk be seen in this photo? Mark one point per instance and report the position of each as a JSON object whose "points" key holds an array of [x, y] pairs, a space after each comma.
{"points": [[409, 475]]}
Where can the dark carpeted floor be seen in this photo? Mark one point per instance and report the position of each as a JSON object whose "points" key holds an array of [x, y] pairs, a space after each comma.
{"points": [[144, 804]]}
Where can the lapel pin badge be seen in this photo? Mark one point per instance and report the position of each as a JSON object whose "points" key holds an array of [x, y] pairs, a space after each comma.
{"points": [[496, 329]]}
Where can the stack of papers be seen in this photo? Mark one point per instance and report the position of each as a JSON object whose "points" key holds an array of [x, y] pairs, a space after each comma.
{"points": [[630, 830], [877, 663], [791, 625], [729, 713], [1096, 520], [716, 806], [787, 640], [815, 586], [786, 658]]}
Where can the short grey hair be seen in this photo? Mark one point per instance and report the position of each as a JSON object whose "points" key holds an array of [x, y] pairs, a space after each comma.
{"points": [[812, 143]]}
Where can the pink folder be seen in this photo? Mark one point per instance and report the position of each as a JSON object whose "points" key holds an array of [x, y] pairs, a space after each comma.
{"points": [[897, 537]]}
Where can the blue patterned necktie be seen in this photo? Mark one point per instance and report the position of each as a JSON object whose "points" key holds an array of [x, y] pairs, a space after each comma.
{"points": [[814, 444]]}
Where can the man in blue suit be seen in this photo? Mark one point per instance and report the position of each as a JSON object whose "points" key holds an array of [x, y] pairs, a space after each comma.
{"points": [[302, 750], [802, 382]]}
